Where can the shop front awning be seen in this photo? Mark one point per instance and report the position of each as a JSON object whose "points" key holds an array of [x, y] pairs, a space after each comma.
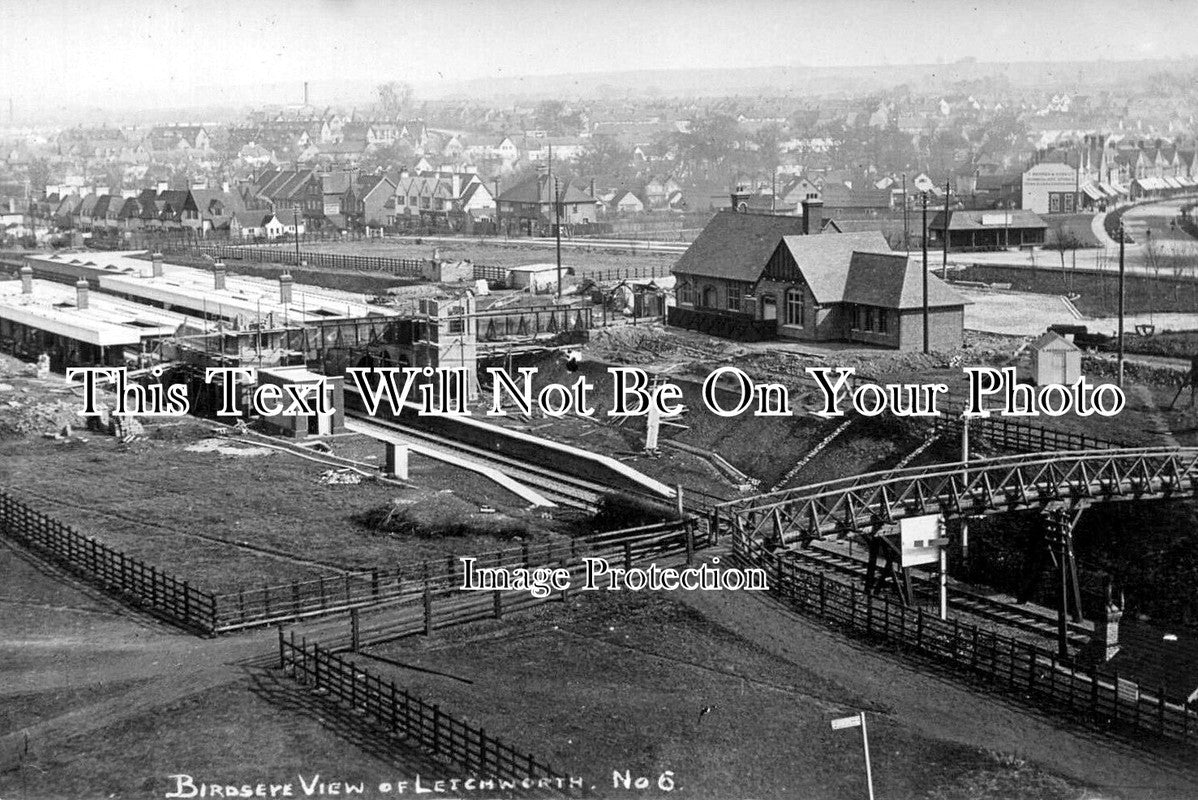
{"points": [[1093, 192], [1119, 188]]}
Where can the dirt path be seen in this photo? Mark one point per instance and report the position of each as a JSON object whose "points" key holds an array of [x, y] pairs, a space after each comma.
{"points": [[942, 708], [48, 646]]}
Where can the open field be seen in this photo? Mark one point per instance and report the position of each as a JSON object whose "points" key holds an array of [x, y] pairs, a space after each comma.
{"points": [[627, 686], [228, 512], [513, 255]]}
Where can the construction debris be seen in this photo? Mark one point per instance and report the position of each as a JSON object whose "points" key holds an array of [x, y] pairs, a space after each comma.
{"points": [[340, 476]]}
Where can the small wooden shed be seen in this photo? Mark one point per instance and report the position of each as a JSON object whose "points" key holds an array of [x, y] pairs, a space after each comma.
{"points": [[1055, 359]]}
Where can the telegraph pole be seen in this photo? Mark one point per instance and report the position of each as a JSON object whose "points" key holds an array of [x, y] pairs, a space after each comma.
{"points": [[557, 227], [944, 274], [295, 219], [906, 225], [927, 346], [1121, 274], [557, 222]]}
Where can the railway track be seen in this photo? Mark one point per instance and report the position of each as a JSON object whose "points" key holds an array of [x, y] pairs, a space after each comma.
{"points": [[562, 489], [960, 600]]}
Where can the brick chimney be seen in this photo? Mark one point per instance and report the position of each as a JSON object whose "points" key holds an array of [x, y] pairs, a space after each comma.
{"points": [[813, 216], [156, 260], [218, 276], [285, 282], [26, 279], [81, 292]]}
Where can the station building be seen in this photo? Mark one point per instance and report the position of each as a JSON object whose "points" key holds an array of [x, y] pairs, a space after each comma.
{"points": [[78, 327]]}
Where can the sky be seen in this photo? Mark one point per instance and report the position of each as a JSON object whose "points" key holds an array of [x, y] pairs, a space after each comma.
{"points": [[128, 53]]}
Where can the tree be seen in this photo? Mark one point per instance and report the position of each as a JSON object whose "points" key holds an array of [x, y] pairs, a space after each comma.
{"points": [[605, 157], [394, 97]]}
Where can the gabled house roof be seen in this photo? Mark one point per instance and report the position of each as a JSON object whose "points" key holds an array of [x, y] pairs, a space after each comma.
{"points": [[824, 259], [539, 189], [736, 246], [1052, 340], [890, 280]]}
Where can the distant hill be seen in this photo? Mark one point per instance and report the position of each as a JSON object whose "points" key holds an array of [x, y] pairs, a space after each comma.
{"points": [[806, 80]]}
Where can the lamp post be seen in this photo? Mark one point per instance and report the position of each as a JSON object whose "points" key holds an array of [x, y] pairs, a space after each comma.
{"points": [[927, 346]]}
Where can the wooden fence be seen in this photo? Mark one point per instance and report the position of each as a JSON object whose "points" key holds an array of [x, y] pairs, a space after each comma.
{"points": [[1033, 673], [1023, 437], [283, 255], [165, 595], [440, 602], [140, 583], [423, 724]]}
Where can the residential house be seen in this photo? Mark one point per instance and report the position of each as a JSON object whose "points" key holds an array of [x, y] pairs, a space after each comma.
{"points": [[169, 138], [377, 200], [529, 205], [288, 191], [249, 225], [658, 191], [625, 201], [797, 189], [276, 225], [843, 202]]}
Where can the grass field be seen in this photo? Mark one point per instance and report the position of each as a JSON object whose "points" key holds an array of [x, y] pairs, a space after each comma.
{"points": [[615, 682], [229, 521], [513, 255]]}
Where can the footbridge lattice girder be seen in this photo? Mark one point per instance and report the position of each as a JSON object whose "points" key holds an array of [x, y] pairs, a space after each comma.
{"points": [[979, 487]]}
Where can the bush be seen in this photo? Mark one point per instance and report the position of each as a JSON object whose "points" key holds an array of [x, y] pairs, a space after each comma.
{"points": [[439, 516], [619, 511]]}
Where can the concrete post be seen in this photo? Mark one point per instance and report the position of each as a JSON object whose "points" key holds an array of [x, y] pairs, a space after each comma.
{"points": [[397, 460]]}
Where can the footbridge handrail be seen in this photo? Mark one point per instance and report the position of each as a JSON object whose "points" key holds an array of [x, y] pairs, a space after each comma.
{"points": [[978, 487]]}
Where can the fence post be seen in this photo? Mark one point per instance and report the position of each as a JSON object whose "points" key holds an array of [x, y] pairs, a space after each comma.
{"points": [[282, 644], [354, 631], [690, 543], [428, 609], [186, 602], [628, 555], [295, 596]]}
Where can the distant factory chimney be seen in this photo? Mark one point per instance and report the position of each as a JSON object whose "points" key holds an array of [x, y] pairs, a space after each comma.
{"points": [[26, 279], [156, 260], [813, 216], [285, 282], [305, 93], [218, 273], [81, 292]]}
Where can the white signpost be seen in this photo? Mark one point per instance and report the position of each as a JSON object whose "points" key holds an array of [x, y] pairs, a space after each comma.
{"points": [[922, 541], [858, 721]]}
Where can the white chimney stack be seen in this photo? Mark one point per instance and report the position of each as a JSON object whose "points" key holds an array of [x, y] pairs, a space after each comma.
{"points": [[218, 272], [156, 259], [285, 282], [26, 279], [81, 292]]}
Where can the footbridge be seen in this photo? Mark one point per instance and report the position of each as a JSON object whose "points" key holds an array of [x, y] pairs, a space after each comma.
{"points": [[979, 487]]}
